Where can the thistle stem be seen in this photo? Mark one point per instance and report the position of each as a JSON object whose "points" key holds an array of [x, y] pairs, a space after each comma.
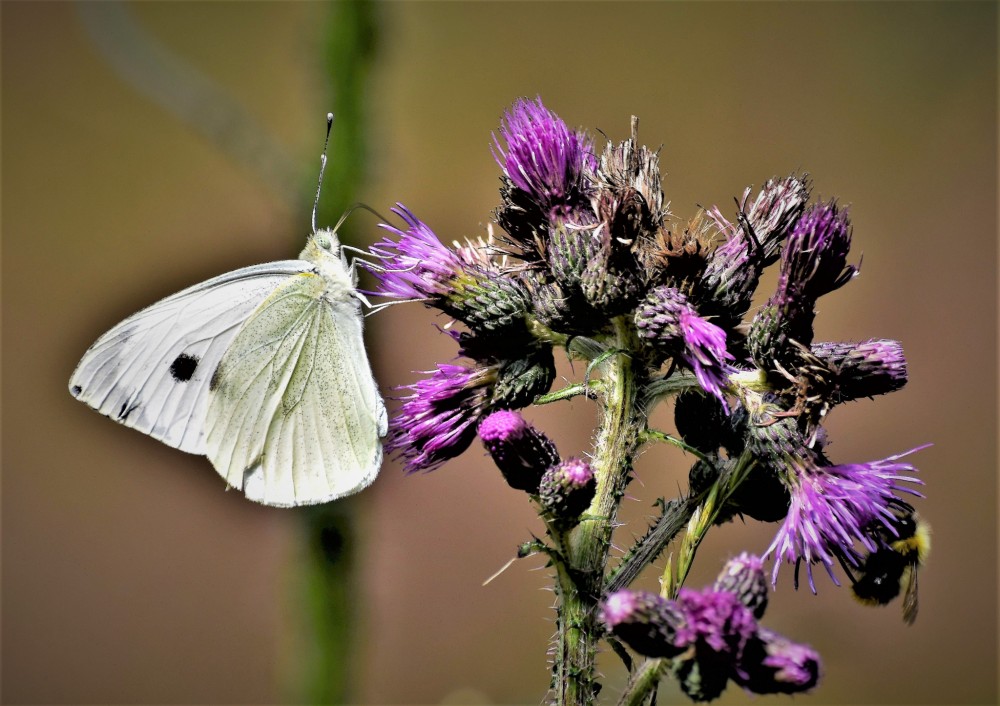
{"points": [[581, 573], [646, 677]]}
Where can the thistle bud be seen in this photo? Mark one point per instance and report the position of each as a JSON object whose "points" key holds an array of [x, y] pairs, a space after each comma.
{"points": [[486, 302], [611, 282], [646, 622], [562, 310], [772, 438], [521, 452], [761, 496], [569, 248], [872, 367], [744, 576], [566, 490], [521, 379], [734, 269]]}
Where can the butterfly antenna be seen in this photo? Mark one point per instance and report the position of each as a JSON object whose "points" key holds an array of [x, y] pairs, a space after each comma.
{"points": [[352, 209], [322, 168]]}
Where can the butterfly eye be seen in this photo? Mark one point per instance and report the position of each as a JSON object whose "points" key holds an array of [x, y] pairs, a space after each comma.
{"points": [[323, 242]]}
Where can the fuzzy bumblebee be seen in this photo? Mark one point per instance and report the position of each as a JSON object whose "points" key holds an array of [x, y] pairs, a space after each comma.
{"points": [[892, 568]]}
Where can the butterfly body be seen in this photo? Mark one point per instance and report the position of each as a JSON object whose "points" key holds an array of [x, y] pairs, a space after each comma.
{"points": [[262, 369]]}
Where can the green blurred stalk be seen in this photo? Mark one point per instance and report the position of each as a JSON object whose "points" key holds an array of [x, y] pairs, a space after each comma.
{"points": [[331, 601]]}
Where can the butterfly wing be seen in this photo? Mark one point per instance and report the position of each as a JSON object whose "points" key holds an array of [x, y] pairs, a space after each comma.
{"points": [[152, 371], [295, 417]]}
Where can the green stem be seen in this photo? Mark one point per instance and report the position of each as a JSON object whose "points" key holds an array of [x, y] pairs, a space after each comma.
{"points": [[657, 435], [646, 677], [566, 393], [581, 574], [675, 517]]}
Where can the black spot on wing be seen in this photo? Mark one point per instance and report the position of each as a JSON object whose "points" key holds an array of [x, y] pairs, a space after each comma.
{"points": [[183, 367], [75, 390]]}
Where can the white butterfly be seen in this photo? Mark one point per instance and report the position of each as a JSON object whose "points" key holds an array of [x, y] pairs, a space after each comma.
{"points": [[263, 370]]}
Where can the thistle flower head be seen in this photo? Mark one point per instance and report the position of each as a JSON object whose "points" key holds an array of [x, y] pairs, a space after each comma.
{"points": [[715, 620], [716, 631], [670, 324], [833, 508], [646, 622], [814, 260], [526, 371], [678, 257], [520, 451], [872, 367], [416, 265], [743, 576], [462, 281], [752, 243], [629, 177], [611, 281], [560, 308], [438, 420], [543, 157], [773, 664], [567, 489], [813, 263]]}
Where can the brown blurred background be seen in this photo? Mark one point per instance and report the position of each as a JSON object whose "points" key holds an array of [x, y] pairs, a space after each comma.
{"points": [[130, 576]]}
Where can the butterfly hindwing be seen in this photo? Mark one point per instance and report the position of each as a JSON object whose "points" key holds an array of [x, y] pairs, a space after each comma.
{"points": [[152, 371], [295, 417]]}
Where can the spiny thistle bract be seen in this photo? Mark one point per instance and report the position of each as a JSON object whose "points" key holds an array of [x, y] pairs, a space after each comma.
{"points": [[588, 259]]}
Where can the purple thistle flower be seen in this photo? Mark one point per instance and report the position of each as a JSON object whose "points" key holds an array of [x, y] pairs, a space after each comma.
{"points": [[814, 261], [715, 620], [705, 353], [717, 629], [544, 158], [438, 421], [416, 265], [834, 507], [521, 452], [773, 664], [671, 324], [463, 282], [646, 622]]}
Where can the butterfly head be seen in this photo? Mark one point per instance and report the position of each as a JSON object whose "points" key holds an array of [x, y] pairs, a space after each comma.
{"points": [[323, 250]]}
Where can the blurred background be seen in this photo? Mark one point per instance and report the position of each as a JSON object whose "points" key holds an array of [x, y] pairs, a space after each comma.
{"points": [[150, 146]]}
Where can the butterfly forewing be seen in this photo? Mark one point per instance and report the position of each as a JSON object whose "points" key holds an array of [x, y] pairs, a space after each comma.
{"points": [[152, 371], [295, 417]]}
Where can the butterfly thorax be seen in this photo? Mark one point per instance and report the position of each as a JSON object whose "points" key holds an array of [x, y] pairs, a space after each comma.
{"points": [[323, 251]]}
